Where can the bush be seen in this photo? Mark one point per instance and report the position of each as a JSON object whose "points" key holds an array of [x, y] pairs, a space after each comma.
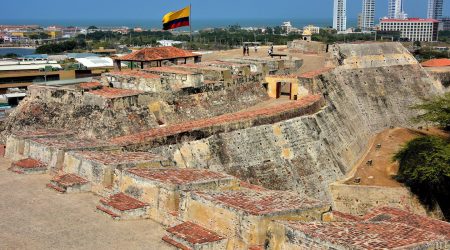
{"points": [[437, 111], [57, 47], [425, 169]]}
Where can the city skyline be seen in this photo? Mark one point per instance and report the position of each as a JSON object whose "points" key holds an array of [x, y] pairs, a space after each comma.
{"points": [[202, 9]]}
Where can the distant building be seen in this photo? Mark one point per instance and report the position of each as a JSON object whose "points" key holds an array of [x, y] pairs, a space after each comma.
{"points": [[368, 15], [169, 42], [312, 28], [340, 15], [445, 24], [395, 10], [287, 27], [412, 29], [435, 9], [360, 21]]}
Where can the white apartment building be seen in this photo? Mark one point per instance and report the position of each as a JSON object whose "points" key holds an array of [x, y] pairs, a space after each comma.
{"points": [[435, 9], [368, 15], [395, 10], [413, 29], [340, 15]]}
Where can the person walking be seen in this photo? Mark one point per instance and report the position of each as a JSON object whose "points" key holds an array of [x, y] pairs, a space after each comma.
{"points": [[248, 50], [244, 48]]}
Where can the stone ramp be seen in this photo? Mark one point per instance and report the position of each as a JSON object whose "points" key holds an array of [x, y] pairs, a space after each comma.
{"points": [[200, 129], [189, 235], [123, 207], [69, 183], [28, 166]]}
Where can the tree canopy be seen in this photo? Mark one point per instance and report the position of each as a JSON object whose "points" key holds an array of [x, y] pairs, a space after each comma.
{"points": [[424, 163], [436, 111], [425, 169]]}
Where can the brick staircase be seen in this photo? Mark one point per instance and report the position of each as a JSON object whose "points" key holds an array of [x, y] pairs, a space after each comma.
{"points": [[190, 236], [69, 183], [28, 166], [123, 207]]}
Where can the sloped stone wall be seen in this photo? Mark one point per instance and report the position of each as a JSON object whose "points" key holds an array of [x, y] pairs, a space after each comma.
{"points": [[306, 154]]}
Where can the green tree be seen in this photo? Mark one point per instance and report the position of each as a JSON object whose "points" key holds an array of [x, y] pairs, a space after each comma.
{"points": [[436, 111], [425, 169]]}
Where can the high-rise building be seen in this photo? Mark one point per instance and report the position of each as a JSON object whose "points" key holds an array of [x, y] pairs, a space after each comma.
{"points": [[412, 29], [435, 9], [340, 15], [367, 15], [395, 10]]}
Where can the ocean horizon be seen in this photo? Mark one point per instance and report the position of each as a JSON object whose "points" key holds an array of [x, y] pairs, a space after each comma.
{"points": [[197, 24]]}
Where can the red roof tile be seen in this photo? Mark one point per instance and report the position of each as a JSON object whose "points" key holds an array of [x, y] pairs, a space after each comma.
{"points": [[69, 180], [389, 214], [209, 122], [194, 233], [135, 73], [364, 235], [410, 20], [42, 133], [443, 62], [173, 70], [123, 202], [29, 163], [90, 85], [68, 143], [113, 157], [159, 53], [261, 202], [112, 93], [314, 73], [179, 176]]}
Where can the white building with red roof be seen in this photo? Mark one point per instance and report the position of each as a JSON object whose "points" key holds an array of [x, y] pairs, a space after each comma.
{"points": [[413, 29]]}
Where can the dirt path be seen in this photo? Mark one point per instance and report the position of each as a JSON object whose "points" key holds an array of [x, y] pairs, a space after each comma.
{"points": [[34, 217], [382, 170]]}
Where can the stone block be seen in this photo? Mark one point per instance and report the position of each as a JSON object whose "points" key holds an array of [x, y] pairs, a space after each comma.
{"points": [[162, 188]]}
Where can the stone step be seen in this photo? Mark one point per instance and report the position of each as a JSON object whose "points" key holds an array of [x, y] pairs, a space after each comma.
{"points": [[28, 166], [189, 235], [69, 183], [124, 207], [175, 243], [56, 188]]}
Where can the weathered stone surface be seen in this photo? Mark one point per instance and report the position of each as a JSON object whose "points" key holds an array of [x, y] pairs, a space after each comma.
{"points": [[383, 228], [308, 153]]}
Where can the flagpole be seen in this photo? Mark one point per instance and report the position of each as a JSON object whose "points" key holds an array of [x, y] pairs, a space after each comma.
{"points": [[190, 19]]}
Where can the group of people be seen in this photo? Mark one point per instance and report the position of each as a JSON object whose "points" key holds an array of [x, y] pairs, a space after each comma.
{"points": [[246, 50]]}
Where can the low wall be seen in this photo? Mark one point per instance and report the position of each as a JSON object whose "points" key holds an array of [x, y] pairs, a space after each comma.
{"points": [[359, 200]]}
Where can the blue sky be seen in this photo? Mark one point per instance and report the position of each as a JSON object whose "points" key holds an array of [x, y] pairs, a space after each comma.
{"points": [[202, 9]]}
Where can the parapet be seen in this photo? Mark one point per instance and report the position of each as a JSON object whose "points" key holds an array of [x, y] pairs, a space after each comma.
{"points": [[173, 79], [384, 228], [134, 80]]}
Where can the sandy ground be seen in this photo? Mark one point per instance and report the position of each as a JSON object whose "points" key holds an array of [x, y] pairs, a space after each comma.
{"points": [[34, 217], [383, 168]]}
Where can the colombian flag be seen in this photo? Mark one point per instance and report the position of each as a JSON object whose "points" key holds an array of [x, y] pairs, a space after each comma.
{"points": [[173, 20]]}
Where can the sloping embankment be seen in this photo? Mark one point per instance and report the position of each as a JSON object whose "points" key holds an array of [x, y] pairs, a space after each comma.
{"points": [[371, 89]]}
